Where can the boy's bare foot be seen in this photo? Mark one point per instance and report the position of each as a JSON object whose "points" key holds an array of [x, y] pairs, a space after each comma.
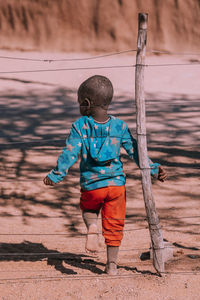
{"points": [[91, 245], [111, 268]]}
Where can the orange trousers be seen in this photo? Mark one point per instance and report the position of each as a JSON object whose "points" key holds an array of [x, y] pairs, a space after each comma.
{"points": [[111, 201]]}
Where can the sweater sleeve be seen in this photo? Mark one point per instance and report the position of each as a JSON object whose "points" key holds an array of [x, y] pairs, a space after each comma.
{"points": [[130, 145], [68, 157]]}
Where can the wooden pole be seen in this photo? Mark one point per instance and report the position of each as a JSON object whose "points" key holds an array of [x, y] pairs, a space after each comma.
{"points": [[152, 217]]}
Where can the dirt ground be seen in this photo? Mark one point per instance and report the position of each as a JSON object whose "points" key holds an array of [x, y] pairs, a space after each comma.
{"points": [[42, 234]]}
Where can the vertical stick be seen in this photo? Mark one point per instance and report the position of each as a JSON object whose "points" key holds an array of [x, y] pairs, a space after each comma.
{"points": [[152, 217]]}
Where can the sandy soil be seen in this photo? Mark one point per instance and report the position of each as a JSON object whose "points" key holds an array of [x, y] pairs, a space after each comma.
{"points": [[42, 234], [97, 25]]}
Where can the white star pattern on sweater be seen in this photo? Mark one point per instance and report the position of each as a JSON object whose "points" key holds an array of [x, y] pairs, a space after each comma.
{"points": [[111, 183], [102, 171], [85, 126], [114, 141], [70, 147], [98, 146]]}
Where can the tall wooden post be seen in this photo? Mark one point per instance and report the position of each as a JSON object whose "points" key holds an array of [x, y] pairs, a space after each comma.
{"points": [[152, 217]]}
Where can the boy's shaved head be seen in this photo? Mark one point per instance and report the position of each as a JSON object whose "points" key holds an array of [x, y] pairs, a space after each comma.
{"points": [[98, 89]]}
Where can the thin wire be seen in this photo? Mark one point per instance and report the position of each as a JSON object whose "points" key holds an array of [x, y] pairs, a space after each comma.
{"points": [[53, 271], [83, 254], [66, 69], [181, 102], [173, 64], [78, 215], [68, 59], [59, 140], [78, 234], [99, 277], [40, 234], [170, 53], [41, 180], [63, 139], [67, 136], [101, 67], [69, 225], [66, 255], [39, 141], [95, 57], [69, 235]]}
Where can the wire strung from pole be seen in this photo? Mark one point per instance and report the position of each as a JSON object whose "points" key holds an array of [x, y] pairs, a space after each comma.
{"points": [[63, 139], [173, 64], [67, 69], [97, 68], [69, 235], [49, 60], [62, 254], [40, 180], [180, 102], [68, 59], [171, 53], [95, 277], [79, 215], [72, 256], [81, 235]]}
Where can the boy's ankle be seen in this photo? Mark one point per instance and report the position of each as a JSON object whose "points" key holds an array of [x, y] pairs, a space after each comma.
{"points": [[91, 245], [111, 265], [111, 268]]}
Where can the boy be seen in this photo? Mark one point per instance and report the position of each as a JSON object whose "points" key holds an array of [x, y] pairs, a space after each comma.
{"points": [[99, 137]]}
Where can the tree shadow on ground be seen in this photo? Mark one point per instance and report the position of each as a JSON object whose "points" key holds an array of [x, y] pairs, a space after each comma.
{"points": [[32, 252], [35, 123], [28, 251]]}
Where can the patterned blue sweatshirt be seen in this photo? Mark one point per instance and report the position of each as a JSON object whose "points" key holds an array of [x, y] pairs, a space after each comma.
{"points": [[99, 146]]}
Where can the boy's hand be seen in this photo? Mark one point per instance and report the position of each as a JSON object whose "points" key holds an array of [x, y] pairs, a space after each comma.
{"points": [[162, 175], [48, 181]]}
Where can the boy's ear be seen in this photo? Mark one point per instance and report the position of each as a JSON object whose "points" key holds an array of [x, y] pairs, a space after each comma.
{"points": [[88, 102]]}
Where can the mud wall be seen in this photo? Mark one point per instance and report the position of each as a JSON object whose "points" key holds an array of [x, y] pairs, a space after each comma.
{"points": [[98, 25]]}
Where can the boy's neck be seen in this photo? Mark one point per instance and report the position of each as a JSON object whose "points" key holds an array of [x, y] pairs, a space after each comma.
{"points": [[100, 115], [100, 118]]}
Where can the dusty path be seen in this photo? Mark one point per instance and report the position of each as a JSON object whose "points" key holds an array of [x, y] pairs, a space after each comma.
{"points": [[42, 234]]}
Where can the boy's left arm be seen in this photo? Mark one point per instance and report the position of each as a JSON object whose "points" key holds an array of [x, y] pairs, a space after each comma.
{"points": [[130, 145]]}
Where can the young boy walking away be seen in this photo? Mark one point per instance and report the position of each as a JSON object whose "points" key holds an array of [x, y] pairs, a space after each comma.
{"points": [[98, 138]]}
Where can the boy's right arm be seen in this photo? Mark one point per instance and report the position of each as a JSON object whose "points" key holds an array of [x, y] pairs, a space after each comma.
{"points": [[68, 157]]}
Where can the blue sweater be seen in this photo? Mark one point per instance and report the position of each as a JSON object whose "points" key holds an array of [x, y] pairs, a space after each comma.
{"points": [[99, 146]]}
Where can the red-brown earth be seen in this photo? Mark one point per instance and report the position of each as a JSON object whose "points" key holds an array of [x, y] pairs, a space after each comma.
{"points": [[42, 234], [98, 25]]}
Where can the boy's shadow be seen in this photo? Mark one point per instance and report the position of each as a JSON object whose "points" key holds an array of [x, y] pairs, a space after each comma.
{"points": [[28, 251]]}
